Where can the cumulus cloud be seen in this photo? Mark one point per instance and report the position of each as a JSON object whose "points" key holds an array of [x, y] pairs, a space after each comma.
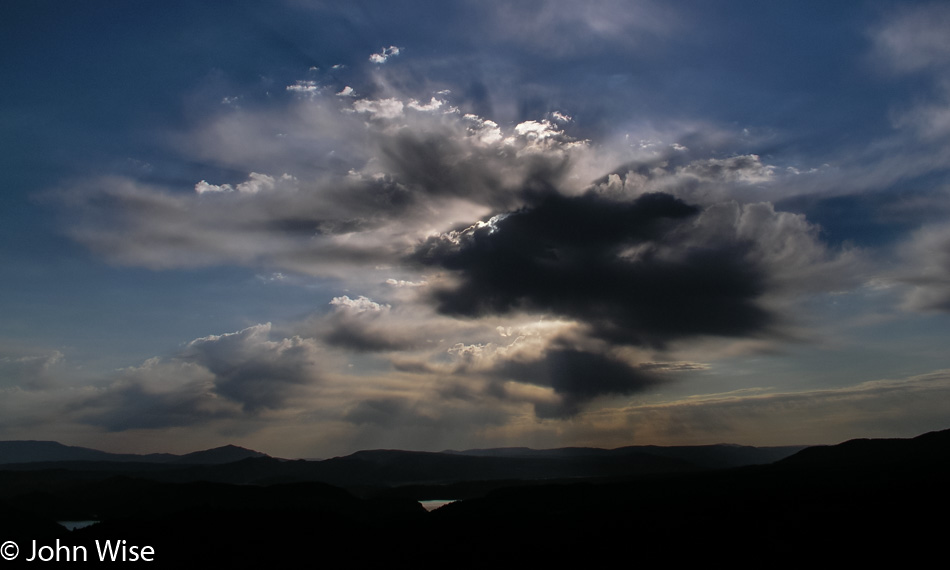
{"points": [[255, 183], [433, 171], [379, 109], [237, 374], [363, 325], [253, 370], [156, 395], [639, 271], [457, 225], [622, 268], [359, 305]]}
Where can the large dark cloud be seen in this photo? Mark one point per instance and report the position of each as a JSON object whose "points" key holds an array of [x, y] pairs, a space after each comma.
{"points": [[625, 268], [576, 376]]}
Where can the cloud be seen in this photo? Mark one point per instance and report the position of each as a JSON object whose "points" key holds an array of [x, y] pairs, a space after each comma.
{"points": [[926, 269], [403, 283], [379, 109], [255, 183], [672, 366], [457, 226], [622, 268], [560, 28], [363, 325], [359, 305], [902, 407], [746, 169], [226, 376], [304, 86], [384, 54], [643, 270], [673, 169], [576, 377], [155, 395], [30, 372], [363, 205], [433, 105], [914, 38]]}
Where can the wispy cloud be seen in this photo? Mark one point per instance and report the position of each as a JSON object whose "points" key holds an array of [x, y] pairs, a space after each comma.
{"points": [[384, 54]]}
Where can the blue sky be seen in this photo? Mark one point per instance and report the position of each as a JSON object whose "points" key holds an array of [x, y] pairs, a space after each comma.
{"points": [[310, 229]]}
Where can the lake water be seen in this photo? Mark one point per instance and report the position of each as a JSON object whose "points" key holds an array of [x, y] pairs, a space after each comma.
{"points": [[73, 525], [436, 503]]}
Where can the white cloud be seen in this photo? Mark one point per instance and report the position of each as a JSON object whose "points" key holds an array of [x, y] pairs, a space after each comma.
{"points": [[379, 109], [360, 304], [433, 105], [485, 131], [304, 86], [255, 183], [537, 130], [915, 38], [384, 54], [561, 27], [403, 283]]}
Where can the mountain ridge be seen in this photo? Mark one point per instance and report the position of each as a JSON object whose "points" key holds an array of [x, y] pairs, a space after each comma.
{"points": [[43, 451]]}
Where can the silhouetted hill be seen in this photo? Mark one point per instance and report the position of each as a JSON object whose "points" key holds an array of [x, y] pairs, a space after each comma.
{"points": [[36, 451], [924, 450], [856, 502], [387, 468], [15, 452], [219, 455]]}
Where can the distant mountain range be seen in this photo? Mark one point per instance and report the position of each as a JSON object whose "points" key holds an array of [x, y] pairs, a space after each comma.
{"points": [[51, 451], [231, 464]]}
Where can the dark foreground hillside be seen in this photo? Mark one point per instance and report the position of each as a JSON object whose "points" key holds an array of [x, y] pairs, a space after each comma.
{"points": [[866, 500]]}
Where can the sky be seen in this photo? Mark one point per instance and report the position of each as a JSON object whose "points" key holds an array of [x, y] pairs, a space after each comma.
{"points": [[310, 228]]}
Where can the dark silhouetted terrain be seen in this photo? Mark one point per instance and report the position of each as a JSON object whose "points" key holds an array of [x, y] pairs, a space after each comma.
{"points": [[860, 501]]}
